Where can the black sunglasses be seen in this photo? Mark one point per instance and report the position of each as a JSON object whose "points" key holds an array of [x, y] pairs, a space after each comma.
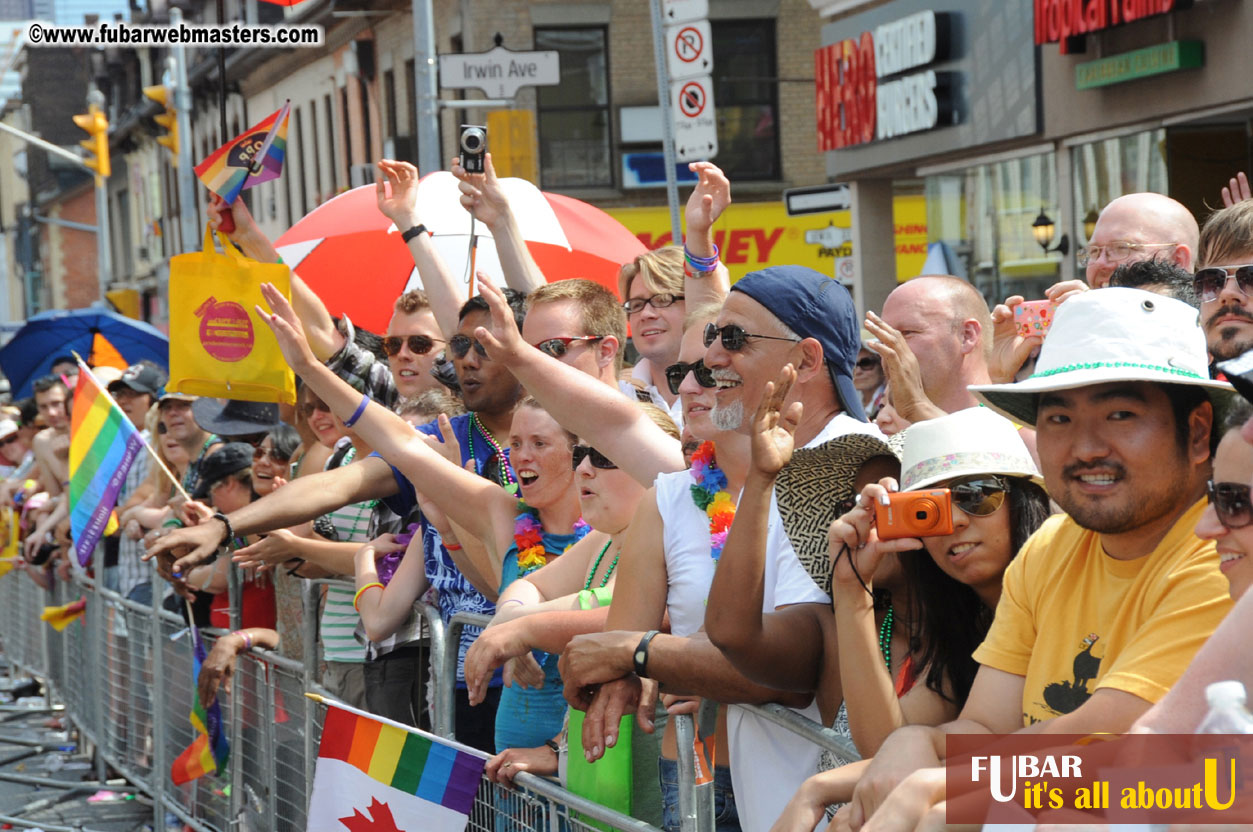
{"points": [[675, 374], [312, 405], [260, 453], [1231, 503], [867, 363], [599, 460], [979, 496], [634, 306], [558, 347], [1208, 283], [734, 337], [460, 346], [418, 344]]}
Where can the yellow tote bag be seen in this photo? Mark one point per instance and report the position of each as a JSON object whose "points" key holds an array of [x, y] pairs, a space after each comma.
{"points": [[218, 346]]}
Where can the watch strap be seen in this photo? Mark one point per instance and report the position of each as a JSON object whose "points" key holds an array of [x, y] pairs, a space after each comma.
{"points": [[640, 656], [413, 232]]}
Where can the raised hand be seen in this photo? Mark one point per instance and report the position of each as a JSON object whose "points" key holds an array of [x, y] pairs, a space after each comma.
{"points": [[287, 329], [855, 532], [774, 427], [503, 341], [449, 448], [1237, 190], [709, 198], [1010, 349], [481, 193], [909, 395], [397, 193]]}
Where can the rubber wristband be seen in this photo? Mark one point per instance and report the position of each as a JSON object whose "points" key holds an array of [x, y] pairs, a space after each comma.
{"points": [[453, 547], [413, 232], [247, 639], [356, 599], [230, 530], [356, 414], [640, 657]]}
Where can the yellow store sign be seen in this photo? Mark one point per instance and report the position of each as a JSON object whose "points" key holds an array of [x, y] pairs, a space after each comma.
{"points": [[754, 235]]}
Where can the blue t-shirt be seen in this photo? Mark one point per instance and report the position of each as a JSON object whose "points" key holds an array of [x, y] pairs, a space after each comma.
{"points": [[455, 592]]}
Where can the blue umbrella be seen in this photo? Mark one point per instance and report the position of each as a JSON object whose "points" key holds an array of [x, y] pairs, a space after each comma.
{"points": [[55, 333]]}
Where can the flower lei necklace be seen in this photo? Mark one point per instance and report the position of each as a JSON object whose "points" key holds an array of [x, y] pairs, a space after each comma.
{"points": [[709, 492], [528, 536]]}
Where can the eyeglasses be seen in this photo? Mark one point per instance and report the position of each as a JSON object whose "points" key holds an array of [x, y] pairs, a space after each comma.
{"points": [[460, 346], [1117, 252], [661, 300], [979, 496], [418, 344], [277, 458], [312, 405], [675, 374], [557, 347], [599, 460], [734, 337], [1208, 283], [867, 363], [1231, 503]]}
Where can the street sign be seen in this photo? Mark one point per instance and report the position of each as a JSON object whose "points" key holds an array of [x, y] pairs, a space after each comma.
{"points": [[681, 11], [695, 126], [500, 72], [689, 50], [817, 199]]}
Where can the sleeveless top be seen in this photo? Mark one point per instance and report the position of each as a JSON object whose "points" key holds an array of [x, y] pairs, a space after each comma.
{"points": [[685, 537]]}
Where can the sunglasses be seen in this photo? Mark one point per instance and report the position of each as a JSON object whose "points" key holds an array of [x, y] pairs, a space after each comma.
{"points": [[1231, 503], [259, 454], [979, 496], [598, 459], [557, 347], [734, 337], [460, 346], [309, 407], [9, 440], [418, 344], [867, 363], [675, 374], [634, 306], [1209, 283]]}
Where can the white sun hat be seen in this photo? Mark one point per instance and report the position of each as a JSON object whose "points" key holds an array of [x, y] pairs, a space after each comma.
{"points": [[969, 442], [1108, 335]]}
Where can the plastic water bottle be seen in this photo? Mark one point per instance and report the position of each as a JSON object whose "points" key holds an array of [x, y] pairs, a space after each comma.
{"points": [[1227, 711]]}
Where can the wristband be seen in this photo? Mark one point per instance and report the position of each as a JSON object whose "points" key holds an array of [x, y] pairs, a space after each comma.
{"points": [[640, 657], [356, 599], [590, 599], [453, 547], [356, 414], [413, 232], [230, 531], [701, 264], [247, 638], [507, 603]]}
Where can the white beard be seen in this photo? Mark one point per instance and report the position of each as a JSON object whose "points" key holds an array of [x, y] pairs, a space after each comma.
{"points": [[729, 417]]}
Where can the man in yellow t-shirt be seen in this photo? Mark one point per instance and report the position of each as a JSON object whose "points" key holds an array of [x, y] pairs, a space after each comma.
{"points": [[1104, 606]]}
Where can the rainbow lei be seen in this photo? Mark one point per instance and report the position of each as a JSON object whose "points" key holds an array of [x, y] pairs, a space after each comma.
{"points": [[709, 492], [528, 536]]}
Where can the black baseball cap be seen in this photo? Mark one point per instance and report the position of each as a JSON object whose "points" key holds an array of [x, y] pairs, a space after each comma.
{"points": [[142, 378], [226, 460]]}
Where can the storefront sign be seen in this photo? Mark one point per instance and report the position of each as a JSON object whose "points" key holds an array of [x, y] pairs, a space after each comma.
{"points": [[1065, 22], [755, 235], [1142, 63], [855, 106]]}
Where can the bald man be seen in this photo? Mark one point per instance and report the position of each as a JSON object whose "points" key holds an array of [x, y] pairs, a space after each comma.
{"points": [[1140, 227]]}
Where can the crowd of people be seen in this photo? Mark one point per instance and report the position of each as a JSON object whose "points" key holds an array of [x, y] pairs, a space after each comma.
{"points": [[727, 521]]}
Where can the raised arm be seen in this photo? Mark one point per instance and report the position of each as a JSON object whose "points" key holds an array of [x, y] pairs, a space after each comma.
{"points": [[708, 200], [604, 417], [400, 206], [483, 197]]}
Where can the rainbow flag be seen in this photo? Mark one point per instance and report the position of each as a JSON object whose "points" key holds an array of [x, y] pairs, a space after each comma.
{"points": [[368, 765], [103, 444], [209, 752], [252, 157]]}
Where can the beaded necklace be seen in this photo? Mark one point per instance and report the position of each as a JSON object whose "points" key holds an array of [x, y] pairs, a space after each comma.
{"points": [[528, 536], [504, 474], [608, 572], [885, 639], [709, 492]]}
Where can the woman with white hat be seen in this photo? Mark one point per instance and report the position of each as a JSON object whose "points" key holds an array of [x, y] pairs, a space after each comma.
{"points": [[907, 659]]}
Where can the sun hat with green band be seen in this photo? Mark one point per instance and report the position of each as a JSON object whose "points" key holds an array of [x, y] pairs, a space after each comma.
{"points": [[1108, 335]]}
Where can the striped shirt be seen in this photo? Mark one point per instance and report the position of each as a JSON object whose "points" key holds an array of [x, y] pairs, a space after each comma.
{"points": [[339, 620]]}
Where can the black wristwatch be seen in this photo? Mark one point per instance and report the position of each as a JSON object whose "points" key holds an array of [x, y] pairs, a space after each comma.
{"points": [[553, 745], [413, 232], [640, 656]]}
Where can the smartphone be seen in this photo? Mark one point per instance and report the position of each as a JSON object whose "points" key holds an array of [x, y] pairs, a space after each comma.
{"points": [[1034, 317], [915, 514]]}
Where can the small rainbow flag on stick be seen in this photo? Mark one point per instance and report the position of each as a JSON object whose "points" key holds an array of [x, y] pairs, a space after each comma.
{"points": [[371, 770], [252, 157], [209, 752], [103, 444]]}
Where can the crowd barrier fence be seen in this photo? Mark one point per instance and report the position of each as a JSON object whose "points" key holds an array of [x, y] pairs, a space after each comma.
{"points": [[123, 677]]}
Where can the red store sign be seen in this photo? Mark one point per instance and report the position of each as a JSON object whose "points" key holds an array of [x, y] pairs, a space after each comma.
{"points": [[1058, 21]]}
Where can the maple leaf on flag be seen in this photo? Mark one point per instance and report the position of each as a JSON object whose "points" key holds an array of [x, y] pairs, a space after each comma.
{"points": [[380, 819]]}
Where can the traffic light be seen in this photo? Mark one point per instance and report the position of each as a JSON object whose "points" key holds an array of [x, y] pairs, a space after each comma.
{"points": [[96, 125], [169, 119]]}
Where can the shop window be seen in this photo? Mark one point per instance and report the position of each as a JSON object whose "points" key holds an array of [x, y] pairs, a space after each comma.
{"points": [[746, 95], [574, 126]]}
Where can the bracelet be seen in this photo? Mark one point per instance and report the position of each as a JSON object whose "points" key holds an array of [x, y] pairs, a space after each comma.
{"points": [[640, 657], [413, 232], [356, 414], [299, 563], [356, 599], [507, 603], [230, 531], [701, 264], [247, 638], [453, 547]]}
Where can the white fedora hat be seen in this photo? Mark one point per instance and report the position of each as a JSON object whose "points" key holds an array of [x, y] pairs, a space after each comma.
{"points": [[964, 443], [1111, 335]]}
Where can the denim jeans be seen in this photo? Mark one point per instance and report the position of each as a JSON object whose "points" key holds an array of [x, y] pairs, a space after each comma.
{"points": [[726, 818]]}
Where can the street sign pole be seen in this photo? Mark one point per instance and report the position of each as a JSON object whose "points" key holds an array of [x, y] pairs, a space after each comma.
{"points": [[427, 91], [667, 121], [104, 257], [188, 213]]}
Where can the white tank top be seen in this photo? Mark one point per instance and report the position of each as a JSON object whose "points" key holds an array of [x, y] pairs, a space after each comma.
{"points": [[689, 567]]}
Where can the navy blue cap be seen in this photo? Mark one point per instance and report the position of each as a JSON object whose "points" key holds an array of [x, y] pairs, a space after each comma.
{"points": [[814, 306], [231, 458]]}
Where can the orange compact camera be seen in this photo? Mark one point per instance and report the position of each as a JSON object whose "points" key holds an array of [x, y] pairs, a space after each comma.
{"points": [[915, 514]]}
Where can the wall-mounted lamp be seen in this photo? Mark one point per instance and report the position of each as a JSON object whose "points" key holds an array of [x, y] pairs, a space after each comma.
{"points": [[1089, 224], [1042, 229]]}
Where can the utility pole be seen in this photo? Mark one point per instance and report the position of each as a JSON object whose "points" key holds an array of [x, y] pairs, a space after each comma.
{"points": [[667, 122], [426, 88], [104, 257], [188, 210]]}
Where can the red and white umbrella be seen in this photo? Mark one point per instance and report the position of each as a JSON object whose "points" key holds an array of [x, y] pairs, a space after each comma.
{"points": [[354, 259]]}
